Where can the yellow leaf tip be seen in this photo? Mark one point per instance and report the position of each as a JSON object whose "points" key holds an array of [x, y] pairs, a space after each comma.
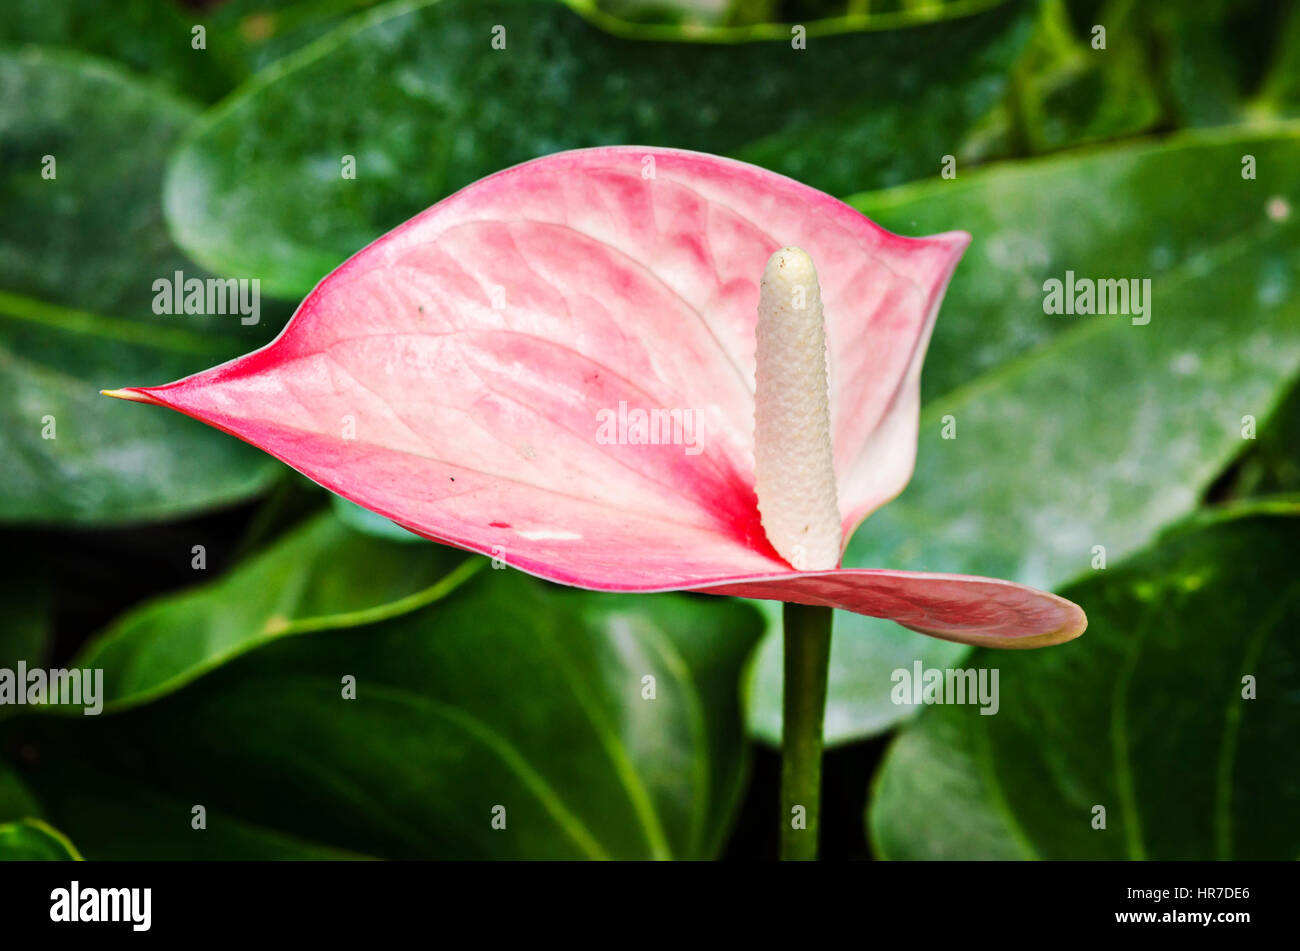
{"points": [[127, 394]]}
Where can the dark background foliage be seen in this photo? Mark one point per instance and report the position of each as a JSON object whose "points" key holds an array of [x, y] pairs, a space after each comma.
{"points": [[477, 688]]}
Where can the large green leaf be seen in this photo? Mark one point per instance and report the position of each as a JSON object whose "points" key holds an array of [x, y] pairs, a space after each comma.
{"points": [[1144, 716], [419, 97], [323, 575], [79, 253], [31, 840], [508, 692], [1074, 432]]}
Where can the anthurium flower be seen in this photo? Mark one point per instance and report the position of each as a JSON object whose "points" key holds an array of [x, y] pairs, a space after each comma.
{"points": [[557, 366]]}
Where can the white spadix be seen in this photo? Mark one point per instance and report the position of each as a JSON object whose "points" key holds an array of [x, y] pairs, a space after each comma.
{"points": [[794, 466]]}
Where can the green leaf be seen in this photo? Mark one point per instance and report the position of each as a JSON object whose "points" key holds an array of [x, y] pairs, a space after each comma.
{"points": [[323, 575], [1075, 432], [418, 96], [79, 253], [259, 32], [33, 841], [1066, 92], [1144, 715], [507, 693]]}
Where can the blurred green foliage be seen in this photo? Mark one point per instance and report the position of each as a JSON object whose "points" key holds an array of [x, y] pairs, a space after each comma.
{"points": [[78, 257], [1144, 717], [31, 840]]}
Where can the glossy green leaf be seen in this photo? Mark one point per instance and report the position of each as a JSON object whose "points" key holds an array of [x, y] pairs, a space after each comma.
{"points": [[606, 726], [322, 575], [79, 252], [1084, 431], [31, 840], [419, 98], [1147, 716]]}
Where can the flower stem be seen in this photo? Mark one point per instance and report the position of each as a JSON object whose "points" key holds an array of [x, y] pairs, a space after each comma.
{"points": [[807, 661]]}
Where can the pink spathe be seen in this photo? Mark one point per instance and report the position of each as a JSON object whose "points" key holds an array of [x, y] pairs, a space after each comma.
{"points": [[451, 377]]}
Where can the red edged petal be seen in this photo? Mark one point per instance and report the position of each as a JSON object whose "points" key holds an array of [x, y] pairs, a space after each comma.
{"points": [[877, 329], [968, 609], [452, 375]]}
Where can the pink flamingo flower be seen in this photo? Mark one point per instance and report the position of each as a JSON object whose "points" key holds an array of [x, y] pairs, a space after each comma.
{"points": [[557, 366]]}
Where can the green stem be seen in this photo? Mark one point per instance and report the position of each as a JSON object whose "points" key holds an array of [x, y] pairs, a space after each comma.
{"points": [[807, 660]]}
